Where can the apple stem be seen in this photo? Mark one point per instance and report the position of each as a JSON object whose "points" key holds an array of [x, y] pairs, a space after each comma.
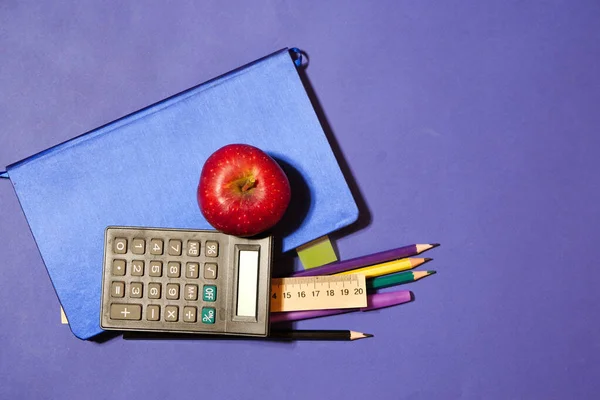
{"points": [[248, 184]]}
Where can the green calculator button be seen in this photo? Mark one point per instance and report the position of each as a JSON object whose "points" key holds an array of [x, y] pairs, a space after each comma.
{"points": [[208, 315], [209, 293]]}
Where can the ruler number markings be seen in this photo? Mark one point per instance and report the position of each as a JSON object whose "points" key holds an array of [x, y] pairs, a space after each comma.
{"points": [[297, 293]]}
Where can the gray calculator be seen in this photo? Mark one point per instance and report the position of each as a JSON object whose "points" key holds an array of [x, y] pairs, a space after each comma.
{"points": [[181, 280]]}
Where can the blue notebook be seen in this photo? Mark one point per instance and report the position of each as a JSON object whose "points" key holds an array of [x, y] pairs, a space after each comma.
{"points": [[143, 170]]}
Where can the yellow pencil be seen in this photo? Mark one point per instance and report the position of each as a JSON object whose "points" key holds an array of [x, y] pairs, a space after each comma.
{"points": [[390, 267]]}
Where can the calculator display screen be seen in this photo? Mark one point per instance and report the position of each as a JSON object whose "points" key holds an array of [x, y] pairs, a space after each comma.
{"points": [[247, 283]]}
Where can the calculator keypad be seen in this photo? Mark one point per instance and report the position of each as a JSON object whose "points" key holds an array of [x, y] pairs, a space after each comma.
{"points": [[176, 280]]}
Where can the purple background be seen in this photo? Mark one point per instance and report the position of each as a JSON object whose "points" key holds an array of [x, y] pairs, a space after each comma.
{"points": [[472, 124]]}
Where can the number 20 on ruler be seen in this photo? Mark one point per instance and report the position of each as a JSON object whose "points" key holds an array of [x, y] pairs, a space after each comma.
{"points": [[318, 293]]}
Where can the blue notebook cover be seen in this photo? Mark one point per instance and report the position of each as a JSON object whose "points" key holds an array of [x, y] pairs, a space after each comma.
{"points": [[143, 170]]}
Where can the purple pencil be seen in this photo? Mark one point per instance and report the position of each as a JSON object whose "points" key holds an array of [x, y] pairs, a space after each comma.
{"points": [[374, 301], [364, 261]]}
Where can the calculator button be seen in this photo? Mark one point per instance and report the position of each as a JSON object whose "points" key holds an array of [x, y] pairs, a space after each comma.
{"points": [[209, 293], [155, 268], [174, 269], [208, 315], [118, 267], [156, 247], [154, 290], [138, 246], [135, 290], [120, 245], [137, 268], [126, 311], [172, 291], [153, 313], [117, 289], [171, 313], [193, 248], [210, 271], [191, 292], [191, 270], [174, 247], [189, 314], [212, 248]]}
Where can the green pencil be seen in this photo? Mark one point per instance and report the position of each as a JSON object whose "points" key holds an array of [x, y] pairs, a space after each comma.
{"points": [[385, 281]]}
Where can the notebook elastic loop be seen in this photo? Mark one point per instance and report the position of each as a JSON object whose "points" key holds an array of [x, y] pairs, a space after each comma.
{"points": [[4, 174], [297, 55]]}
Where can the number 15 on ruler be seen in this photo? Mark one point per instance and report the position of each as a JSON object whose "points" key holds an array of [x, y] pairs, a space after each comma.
{"points": [[318, 292]]}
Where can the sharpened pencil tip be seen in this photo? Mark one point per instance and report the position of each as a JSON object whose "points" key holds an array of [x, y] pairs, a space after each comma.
{"points": [[431, 272], [424, 247], [415, 262], [359, 335]]}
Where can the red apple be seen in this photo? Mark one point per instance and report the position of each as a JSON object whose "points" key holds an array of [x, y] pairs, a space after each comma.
{"points": [[242, 191]]}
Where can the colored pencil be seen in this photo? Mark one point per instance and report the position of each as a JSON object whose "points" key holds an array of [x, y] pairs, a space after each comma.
{"points": [[280, 335], [364, 261], [374, 302], [319, 335], [387, 268], [385, 281]]}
